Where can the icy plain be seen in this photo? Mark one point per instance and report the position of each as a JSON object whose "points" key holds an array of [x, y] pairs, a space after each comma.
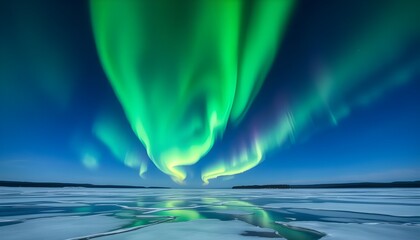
{"points": [[294, 214]]}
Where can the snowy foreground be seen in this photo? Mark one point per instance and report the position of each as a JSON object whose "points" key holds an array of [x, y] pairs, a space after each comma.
{"points": [[108, 214]]}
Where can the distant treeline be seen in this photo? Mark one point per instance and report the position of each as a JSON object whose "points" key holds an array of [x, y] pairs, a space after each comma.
{"points": [[60, 185], [405, 184]]}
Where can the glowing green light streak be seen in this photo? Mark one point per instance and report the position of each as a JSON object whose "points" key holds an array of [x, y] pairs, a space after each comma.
{"points": [[110, 133], [341, 85], [181, 71], [259, 47], [239, 165]]}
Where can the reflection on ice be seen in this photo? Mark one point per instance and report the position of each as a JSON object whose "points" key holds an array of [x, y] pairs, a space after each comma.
{"points": [[203, 229], [42, 213]]}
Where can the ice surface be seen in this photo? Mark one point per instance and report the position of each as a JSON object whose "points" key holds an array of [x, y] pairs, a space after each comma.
{"points": [[295, 214], [59, 227], [345, 231], [386, 209], [233, 212], [203, 229]]}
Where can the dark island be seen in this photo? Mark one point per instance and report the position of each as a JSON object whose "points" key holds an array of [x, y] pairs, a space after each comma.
{"points": [[61, 185], [401, 184]]}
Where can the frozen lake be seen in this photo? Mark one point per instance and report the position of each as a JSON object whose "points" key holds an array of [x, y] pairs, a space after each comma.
{"points": [[105, 214]]}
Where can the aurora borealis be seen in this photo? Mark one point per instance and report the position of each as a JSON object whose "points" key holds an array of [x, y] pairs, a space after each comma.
{"points": [[209, 91], [209, 71], [339, 86]]}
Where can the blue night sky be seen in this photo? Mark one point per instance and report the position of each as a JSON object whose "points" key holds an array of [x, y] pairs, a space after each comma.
{"points": [[90, 95]]}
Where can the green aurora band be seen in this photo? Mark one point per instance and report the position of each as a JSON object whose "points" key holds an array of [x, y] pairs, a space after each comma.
{"points": [[109, 131], [183, 71], [346, 81]]}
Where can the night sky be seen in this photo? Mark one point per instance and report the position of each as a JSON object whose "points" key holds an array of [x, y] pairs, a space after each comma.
{"points": [[209, 93]]}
